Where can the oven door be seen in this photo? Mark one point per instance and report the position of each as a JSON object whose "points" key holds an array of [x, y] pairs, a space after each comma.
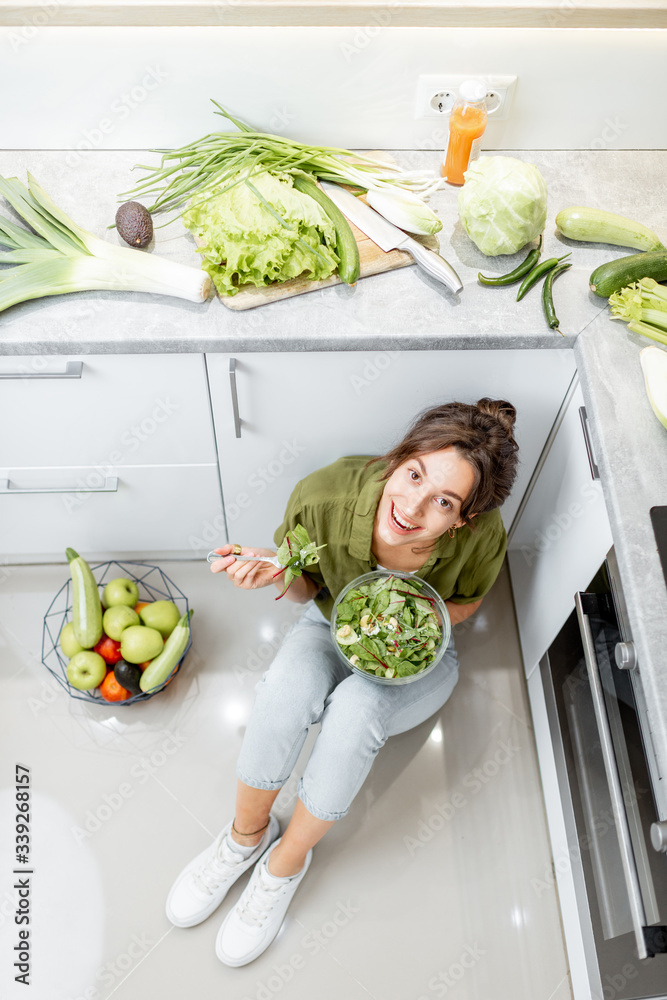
{"points": [[605, 788]]}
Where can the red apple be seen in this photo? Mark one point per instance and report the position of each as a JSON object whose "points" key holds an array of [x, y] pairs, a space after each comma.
{"points": [[109, 650]]}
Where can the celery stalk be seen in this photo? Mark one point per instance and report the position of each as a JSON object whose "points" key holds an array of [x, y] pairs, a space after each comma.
{"points": [[644, 305], [648, 331]]}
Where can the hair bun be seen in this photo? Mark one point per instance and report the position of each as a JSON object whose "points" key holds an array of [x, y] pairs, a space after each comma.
{"points": [[500, 410]]}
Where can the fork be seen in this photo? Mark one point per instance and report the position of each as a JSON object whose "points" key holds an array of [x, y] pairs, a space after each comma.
{"points": [[212, 556]]}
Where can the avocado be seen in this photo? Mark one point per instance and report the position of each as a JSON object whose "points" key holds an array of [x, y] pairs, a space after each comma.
{"points": [[127, 675], [134, 224]]}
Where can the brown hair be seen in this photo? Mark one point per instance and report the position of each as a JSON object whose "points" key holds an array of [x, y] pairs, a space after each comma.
{"points": [[483, 433]]}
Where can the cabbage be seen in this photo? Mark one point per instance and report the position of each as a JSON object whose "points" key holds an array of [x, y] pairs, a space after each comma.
{"points": [[503, 204]]}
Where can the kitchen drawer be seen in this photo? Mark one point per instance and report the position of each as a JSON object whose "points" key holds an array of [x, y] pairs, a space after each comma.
{"points": [[151, 509], [102, 410]]}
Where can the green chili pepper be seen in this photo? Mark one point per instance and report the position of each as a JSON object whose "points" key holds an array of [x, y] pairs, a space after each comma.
{"points": [[524, 267], [537, 273], [547, 296]]}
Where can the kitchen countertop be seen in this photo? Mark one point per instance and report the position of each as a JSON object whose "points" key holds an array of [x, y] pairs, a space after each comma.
{"points": [[423, 313], [405, 309]]}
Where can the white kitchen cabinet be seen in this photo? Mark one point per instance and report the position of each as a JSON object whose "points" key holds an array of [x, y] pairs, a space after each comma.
{"points": [[106, 454], [138, 409], [155, 509], [560, 540], [299, 412]]}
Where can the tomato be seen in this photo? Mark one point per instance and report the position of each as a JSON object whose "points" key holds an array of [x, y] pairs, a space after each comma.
{"points": [[109, 650], [111, 690]]}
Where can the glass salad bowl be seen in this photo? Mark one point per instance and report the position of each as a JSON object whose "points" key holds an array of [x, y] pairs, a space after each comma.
{"points": [[400, 643]]}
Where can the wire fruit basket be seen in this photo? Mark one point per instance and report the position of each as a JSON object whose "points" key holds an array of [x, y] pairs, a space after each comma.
{"points": [[153, 584]]}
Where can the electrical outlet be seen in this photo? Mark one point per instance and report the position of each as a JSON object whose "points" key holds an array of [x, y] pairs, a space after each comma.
{"points": [[436, 94]]}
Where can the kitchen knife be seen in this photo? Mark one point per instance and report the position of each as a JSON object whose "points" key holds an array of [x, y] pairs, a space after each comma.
{"points": [[390, 237]]}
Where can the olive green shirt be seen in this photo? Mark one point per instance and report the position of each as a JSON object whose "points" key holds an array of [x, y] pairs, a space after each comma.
{"points": [[337, 505]]}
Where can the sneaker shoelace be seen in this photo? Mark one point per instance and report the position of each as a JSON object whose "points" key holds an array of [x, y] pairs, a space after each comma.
{"points": [[261, 897], [223, 863]]}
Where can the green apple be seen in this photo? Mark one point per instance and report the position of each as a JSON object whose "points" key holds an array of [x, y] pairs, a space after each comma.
{"points": [[86, 670], [139, 643], [162, 615], [68, 641], [116, 619], [120, 591]]}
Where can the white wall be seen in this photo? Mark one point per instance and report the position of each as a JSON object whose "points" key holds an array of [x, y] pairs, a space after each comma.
{"points": [[143, 87]]}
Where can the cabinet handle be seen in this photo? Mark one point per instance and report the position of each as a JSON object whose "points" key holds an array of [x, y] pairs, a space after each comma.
{"points": [[73, 369], [595, 472], [613, 780], [110, 486], [235, 397]]}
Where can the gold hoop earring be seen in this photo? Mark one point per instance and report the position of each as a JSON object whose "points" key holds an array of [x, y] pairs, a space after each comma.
{"points": [[451, 531]]}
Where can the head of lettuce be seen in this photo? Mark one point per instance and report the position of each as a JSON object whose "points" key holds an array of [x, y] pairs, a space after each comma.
{"points": [[260, 231], [503, 204]]}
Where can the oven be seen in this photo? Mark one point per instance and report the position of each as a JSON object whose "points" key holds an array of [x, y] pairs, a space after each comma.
{"points": [[612, 795]]}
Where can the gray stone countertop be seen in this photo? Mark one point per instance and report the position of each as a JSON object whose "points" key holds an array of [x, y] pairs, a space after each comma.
{"points": [[630, 446], [403, 309]]}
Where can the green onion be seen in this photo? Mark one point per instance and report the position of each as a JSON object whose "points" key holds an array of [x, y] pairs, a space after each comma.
{"points": [[60, 257], [209, 163]]}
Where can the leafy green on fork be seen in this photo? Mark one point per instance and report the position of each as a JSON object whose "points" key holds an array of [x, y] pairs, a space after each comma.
{"points": [[295, 553]]}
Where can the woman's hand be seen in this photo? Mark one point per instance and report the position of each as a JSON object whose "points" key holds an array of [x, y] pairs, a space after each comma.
{"points": [[253, 575], [247, 575]]}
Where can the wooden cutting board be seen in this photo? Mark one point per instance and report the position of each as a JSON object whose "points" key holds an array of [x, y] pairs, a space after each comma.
{"points": [[372, 259]]}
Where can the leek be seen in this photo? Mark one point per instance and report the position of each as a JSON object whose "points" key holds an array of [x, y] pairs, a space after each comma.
{"points": [[208, 164], [644, 306], [60, 256]]}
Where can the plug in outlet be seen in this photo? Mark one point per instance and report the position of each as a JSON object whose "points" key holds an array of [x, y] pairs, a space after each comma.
{"points": [[436, 94]]}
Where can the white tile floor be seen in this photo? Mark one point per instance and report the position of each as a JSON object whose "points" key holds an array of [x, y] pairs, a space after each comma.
{"points": [[424, 890]]}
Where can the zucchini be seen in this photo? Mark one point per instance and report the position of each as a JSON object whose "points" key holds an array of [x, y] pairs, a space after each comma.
{"points": [[593, 225], [159, 670], [86, 604], [346, 245], [617, 274]]}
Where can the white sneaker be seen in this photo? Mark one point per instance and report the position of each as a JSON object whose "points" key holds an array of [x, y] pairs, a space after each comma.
{"points": [[204, 883], [251, 926]]}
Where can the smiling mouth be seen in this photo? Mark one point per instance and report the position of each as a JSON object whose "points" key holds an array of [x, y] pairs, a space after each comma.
{"points": [[401, 522]]}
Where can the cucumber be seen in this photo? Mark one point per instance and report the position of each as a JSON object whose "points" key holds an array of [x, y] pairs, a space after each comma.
{"points": [[346, 245], [86, 604], [617, 274], [593, 225], [155, 675]]}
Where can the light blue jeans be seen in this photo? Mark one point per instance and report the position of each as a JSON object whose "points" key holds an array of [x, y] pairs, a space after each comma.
{"points": [[308, 683]]}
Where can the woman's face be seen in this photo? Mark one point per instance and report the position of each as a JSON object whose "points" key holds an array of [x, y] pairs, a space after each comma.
{"points": [[422, 499]]}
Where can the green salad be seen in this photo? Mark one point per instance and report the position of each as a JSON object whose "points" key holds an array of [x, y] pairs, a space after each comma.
{"points": [[388, 627]]}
